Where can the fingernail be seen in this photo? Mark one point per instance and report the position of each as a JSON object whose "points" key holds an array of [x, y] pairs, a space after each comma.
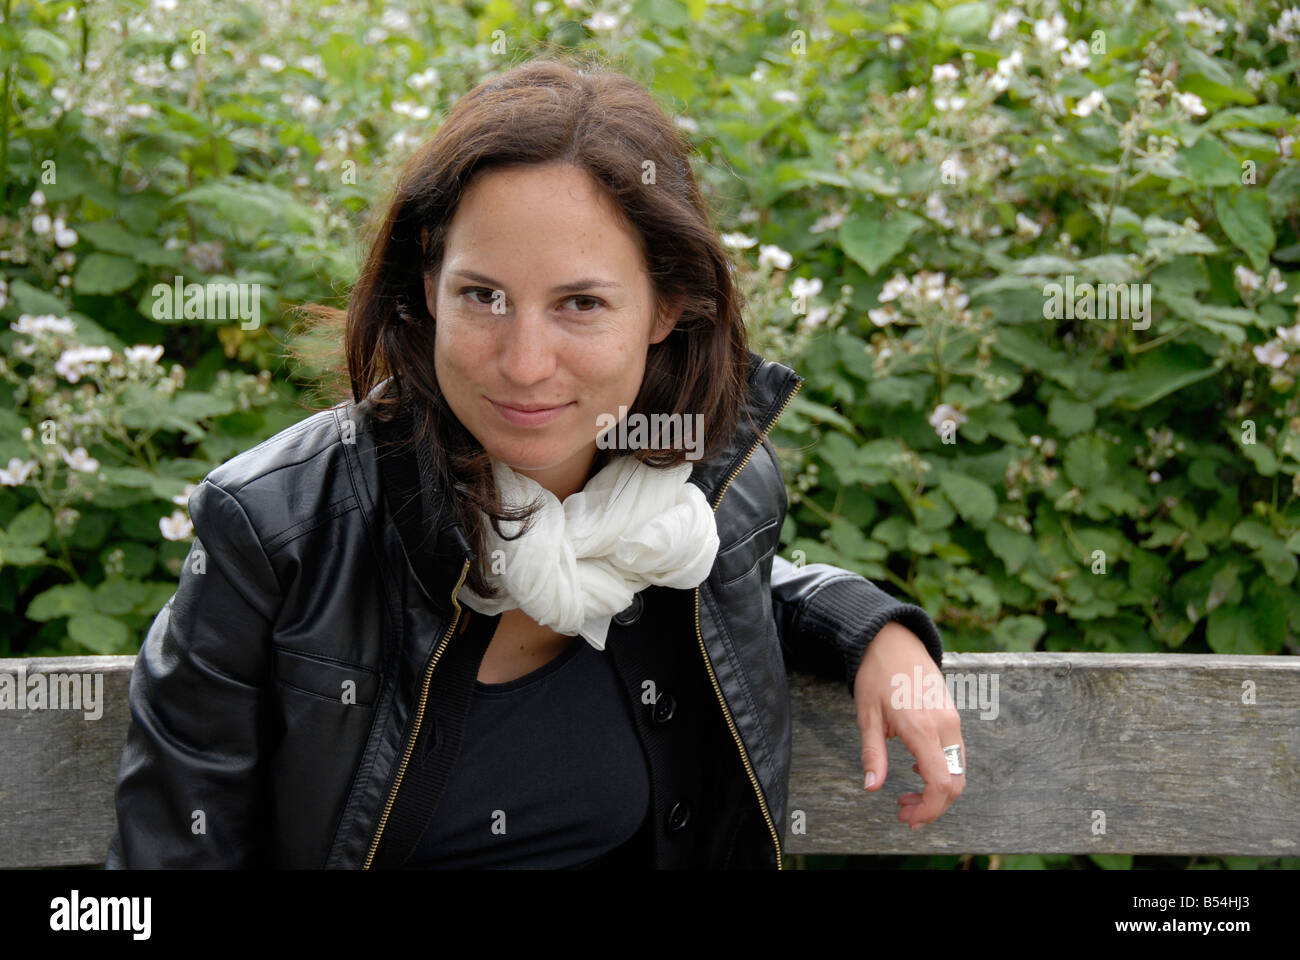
{"points": [[868, 780]]}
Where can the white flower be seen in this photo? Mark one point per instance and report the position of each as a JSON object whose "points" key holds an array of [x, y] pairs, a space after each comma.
{"points": [[1076, 56], [139, 110], [1247, 279], [4, 294], [1191, 103], [41, 224], [72, 363], [175, 527], [1254, 78], [1284, 32], [17, 472], [943, 413], [801, 287], [1284, 144], [894, 287], [268, 62], [785, 96], [1203, 19], [1089, 103], [827, 221], [1004, 22], [164, 6], [37, 198], [601, 21], [182, 499], [1027, 228], [143, 354], [737, 241], [1154, 476], [406, 108], [541, 7], [943, 72], [1275, 283], [395, 20], [816, 315], [419, 81], [689, 124], [1289, 335], [45, 323], [1271, 354], [178, 60], [770, 253], [64, 236], [883, 316], [1051, 33], [943, 103], [895, 43], [79, 460]]}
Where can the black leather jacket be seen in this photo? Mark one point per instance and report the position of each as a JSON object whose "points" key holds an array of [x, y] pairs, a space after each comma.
{"points": [[279, 695]]}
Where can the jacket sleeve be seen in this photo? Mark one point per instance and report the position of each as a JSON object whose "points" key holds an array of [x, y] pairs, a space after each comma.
{"points": [[826, 615], [190, 791]]}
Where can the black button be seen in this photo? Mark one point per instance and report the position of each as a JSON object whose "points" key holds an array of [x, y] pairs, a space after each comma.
{"points": [[632, 613], [679, 816], [663, 708]]}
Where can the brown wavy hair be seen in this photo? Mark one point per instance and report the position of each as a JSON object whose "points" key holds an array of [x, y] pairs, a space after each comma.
{"points": [[546, 110]]}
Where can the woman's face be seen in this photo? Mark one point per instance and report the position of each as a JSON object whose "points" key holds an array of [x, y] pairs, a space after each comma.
{"points": [[542, 301]]}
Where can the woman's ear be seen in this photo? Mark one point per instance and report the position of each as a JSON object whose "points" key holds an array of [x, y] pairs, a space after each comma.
{"points": [[667, 321]]}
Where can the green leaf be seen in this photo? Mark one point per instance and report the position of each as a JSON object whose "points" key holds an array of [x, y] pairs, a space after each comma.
{"points": [[101, 634], [1085, 461], [1234, 630], [663, 13], [1244, 216], [64, 600], [1069, 416], [965, 19], [873, 241], [851, 542], [30, 527], [1018, 633], [1112, 861], [101, 273], [975, 501], [1012, 547], [1207, 163]]}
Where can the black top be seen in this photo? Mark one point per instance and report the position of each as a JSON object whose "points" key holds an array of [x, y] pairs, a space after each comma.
{"points": [[550, 773]]}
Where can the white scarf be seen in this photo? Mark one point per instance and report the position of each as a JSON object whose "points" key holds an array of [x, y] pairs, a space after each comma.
{"points": [[582, 561]]}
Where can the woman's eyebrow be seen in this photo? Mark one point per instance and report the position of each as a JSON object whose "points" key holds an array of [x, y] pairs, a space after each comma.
{"points": [[586, 283]]}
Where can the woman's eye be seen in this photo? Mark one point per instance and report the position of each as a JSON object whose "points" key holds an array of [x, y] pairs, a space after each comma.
{"points": [[594, 301]]}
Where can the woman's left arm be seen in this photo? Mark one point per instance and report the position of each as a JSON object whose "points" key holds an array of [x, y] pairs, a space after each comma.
{"points": [[824, 612]]}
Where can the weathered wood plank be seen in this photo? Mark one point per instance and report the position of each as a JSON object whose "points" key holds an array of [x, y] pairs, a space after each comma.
{"points": [[59, 769], [1162, 744]]}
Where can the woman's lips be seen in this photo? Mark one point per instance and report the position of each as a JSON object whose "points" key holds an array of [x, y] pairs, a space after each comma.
{"points": [[528, 418]]}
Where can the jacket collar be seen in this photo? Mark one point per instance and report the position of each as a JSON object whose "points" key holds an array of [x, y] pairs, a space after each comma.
{"points": [[411, 493]]}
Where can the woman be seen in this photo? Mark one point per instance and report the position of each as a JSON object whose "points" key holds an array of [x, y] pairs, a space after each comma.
{"points": [[377, 656]]}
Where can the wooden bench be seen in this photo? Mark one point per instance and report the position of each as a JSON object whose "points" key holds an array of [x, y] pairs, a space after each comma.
{"points": [[1084, 753]]}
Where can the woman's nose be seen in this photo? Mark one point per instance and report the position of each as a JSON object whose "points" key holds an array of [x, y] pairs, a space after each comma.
{"points": [[526, 353]]}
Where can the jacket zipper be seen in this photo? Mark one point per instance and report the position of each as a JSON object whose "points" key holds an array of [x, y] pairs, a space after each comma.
{"points": [[735, 735], [419, 717]]}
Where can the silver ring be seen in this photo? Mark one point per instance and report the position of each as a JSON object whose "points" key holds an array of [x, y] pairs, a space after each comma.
{"points": [[953, 756]]}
